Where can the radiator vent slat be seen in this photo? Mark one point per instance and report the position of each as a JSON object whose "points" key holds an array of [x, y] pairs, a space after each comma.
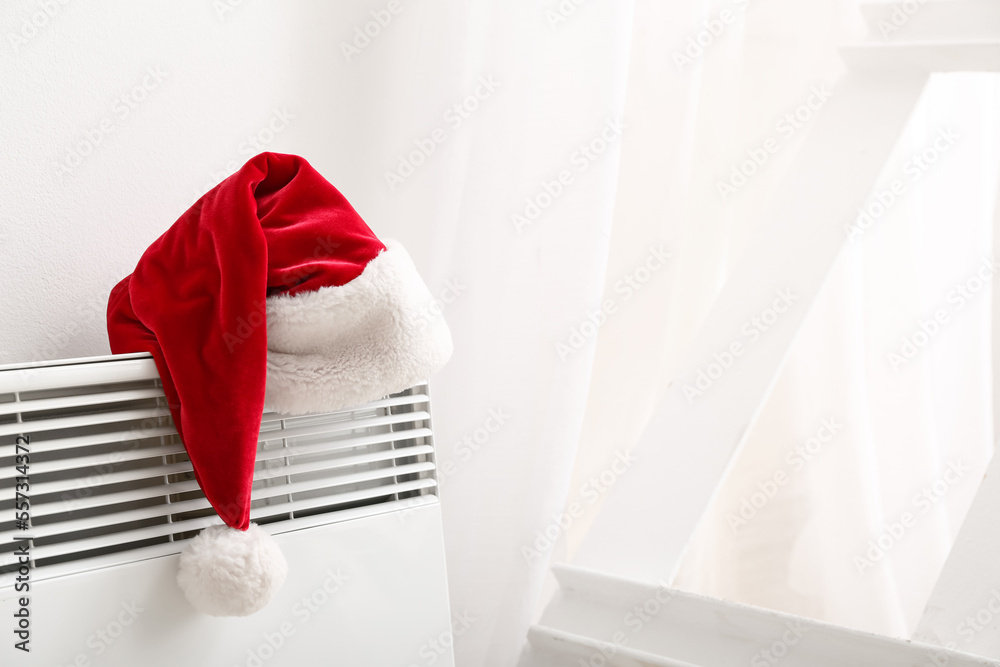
{"points": [[77, 421], [85, 479], [109, 475], [78, 400], [71, 443], [183, 526], [142, 432], [127, 514], [120, 456], [98, 460], [78, 502]]}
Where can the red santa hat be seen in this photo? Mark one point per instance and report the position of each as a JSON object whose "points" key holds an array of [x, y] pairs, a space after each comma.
{"points": [[269, 291]]}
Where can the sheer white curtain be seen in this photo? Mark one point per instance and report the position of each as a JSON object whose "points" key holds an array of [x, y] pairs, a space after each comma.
{"points": [[904, 426], [573, 412], [909, 422], [517, 210]]}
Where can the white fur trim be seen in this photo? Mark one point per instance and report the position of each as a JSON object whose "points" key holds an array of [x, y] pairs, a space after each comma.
{"points": [[229, 572], [338, 347]]}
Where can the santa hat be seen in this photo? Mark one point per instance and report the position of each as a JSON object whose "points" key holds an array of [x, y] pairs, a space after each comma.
{"points": [[269, 291]]}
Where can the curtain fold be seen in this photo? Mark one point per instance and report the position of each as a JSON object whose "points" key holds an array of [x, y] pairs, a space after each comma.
{"points": [[897, 353], [522, 196], [578, 349]]}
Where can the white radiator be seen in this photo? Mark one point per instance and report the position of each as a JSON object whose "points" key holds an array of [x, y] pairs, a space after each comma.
{"points": [[349, 496]]}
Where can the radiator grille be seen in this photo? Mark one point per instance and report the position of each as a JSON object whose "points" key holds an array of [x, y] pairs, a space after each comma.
{"points": [[109, 475]]}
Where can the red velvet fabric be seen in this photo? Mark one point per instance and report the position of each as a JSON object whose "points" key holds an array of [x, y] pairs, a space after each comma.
{"points": [[196, 302]]}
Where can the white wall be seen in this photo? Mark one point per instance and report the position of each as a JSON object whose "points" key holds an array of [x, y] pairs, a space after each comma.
{"points": [[77, 73]]}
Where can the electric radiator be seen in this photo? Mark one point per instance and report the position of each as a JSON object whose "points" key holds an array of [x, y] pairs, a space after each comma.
{"points": [[96, 488]]}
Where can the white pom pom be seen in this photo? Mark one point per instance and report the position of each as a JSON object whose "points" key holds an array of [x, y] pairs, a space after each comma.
{"points": [[229, 572]]}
